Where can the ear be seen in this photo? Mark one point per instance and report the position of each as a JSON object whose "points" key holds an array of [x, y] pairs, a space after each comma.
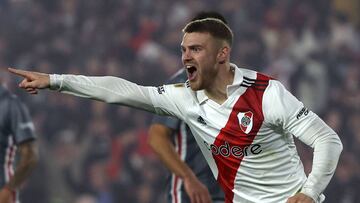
{"points": [[223, 54]]}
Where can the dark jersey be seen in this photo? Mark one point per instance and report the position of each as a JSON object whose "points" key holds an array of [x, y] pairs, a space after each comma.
{"points": [[190, 153], [15, 128]]}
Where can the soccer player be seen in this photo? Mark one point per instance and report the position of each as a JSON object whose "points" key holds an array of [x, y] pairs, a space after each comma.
{"points": [[242, 120], [16, 135], [172, 140]]}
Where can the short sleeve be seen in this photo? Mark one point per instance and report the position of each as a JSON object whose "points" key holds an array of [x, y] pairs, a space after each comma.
{"points": [[21, 126]]}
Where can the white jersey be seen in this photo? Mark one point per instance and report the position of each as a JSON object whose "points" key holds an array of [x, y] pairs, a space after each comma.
{"points": [[247, 141]]}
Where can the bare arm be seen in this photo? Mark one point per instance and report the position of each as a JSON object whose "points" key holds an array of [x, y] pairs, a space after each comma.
{"points": [[28, 159], [159, 140]]}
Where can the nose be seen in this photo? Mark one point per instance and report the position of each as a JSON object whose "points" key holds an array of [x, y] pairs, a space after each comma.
{"points": [[186, 56]]}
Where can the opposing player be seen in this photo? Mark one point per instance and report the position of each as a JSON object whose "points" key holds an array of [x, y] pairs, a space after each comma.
{"points": [[242, 120], [16, 135]]}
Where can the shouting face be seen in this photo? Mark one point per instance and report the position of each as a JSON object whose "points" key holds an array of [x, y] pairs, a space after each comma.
{"points": [[200, 57]]}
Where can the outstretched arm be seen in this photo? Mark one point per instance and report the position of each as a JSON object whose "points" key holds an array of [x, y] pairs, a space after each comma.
{"points": [[106, 88], [159, 140]]}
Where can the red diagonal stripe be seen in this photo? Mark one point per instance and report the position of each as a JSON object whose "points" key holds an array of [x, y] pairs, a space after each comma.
{"points": [[227, 166], [176, 181]]}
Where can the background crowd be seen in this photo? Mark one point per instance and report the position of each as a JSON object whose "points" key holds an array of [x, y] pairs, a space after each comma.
{"points": [[93, 152]]}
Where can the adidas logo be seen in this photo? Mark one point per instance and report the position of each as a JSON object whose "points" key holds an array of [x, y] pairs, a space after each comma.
{"points": [[201, 120]]}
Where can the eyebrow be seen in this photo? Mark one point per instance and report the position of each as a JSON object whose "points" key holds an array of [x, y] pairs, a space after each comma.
{"points": [[192, 46]]}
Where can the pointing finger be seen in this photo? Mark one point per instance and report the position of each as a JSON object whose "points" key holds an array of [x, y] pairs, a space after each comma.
{"points": [[23, 73]]}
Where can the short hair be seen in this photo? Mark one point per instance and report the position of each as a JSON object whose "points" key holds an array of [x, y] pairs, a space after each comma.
{"points": [[214, 26], [209, 14]]}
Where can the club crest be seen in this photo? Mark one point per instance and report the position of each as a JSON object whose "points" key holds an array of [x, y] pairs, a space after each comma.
{"points": [[245, 121]]}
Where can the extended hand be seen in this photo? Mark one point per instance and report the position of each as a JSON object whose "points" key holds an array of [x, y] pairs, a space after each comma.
{"points": [[300, 198], [6, 196], [197, 192], [32, 80]]}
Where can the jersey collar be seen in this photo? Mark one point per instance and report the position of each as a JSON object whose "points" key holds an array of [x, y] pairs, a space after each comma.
{"points": [[238, 79]]}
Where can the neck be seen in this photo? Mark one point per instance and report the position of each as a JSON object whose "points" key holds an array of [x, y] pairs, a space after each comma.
{"points": [[217, 91]]}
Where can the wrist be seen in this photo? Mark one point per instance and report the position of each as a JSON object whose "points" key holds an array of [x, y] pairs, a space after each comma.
{"points": [[188, 176], [9, 189], [55, 81], [310, 194]]}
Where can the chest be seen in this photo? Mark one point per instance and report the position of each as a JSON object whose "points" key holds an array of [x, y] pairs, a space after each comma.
{"points": [[239, 117]]}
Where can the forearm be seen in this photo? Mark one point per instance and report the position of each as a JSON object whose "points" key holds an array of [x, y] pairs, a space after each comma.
{"points": [[28, 160], [107, 88], [327, 149], [173, 162], [160, 142]]}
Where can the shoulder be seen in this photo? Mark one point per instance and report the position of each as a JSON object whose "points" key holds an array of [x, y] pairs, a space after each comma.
{"points": [[172, 91], [180, 89], [255, 80], [276, 89], [9, 103], [278, 102], [274, 93], [7, 96], [254, 75], [177, 83]]}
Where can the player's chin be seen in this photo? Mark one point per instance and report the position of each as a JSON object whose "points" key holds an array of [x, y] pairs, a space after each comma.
{"points": [[195, 86]]}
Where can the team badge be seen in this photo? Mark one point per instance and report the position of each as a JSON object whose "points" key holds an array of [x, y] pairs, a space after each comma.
{"points": [[245, 121]]}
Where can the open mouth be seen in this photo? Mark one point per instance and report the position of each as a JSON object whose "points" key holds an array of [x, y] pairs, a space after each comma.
{"points": [[191, 72]]}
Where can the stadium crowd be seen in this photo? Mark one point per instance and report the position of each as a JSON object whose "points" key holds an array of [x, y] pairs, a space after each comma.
{"points": [[95, 152]]}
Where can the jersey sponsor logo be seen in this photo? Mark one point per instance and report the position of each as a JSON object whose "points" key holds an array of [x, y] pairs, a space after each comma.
{"points": [[226, 150], [304, 111], [245, 121], [201, 120], [161, 89]]}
